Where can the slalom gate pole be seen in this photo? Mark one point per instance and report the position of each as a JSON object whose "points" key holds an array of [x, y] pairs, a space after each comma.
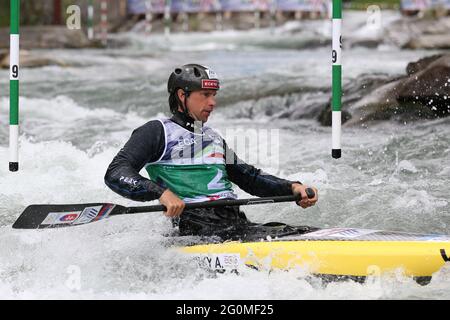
{"points": [[104, 21], [14, 87], [219, 16], [91, 20], [336, 79], [167, 18], [273, 12], [257, 18], [148, 16], [219, 19]]}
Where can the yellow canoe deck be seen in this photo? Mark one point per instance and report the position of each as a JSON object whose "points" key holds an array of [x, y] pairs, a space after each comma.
{"points": [[421, 256]]}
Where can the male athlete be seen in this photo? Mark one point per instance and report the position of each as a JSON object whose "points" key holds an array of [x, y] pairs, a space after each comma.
{"points": [[188, 161]]}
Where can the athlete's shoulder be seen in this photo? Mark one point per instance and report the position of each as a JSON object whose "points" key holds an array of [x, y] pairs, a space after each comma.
{"points": [[154, 126], [158, 122]]}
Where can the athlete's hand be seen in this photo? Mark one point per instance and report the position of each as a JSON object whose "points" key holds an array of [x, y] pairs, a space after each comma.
{"points": [[301, 189], [173, 203]]}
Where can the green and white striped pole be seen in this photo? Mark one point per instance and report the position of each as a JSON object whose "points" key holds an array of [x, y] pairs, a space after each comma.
{"points": [[219, 15], [337, 80], [148, 16], [257, 18], [14, 87], [273, 12], [167, 18]]}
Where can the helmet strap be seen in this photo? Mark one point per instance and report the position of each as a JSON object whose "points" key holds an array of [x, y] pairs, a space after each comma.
{"points": [[185, 116], [185, 107]]}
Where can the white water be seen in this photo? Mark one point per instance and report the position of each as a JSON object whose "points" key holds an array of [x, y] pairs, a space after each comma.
{"points": [[74, 120]]}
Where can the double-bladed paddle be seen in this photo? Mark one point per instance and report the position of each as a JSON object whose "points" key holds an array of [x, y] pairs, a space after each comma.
{"points": [[39, 216]]}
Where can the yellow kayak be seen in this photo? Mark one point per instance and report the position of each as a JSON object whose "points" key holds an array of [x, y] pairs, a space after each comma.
{"points": [[337, 251]]}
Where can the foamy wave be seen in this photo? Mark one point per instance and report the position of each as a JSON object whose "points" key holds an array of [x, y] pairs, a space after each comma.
{"points": [[406, 166], [418, 199], [63, 119]]}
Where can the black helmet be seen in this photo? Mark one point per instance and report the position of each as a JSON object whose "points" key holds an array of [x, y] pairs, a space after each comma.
{"points": [[192, 77]]}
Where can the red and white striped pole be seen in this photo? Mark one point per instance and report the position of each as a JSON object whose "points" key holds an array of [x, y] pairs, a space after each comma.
{"points": [[104, 21], [91, 20]]}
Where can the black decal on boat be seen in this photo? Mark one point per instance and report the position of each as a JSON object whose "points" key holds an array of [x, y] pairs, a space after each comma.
{"points": [[218, 265], [444, 256]]}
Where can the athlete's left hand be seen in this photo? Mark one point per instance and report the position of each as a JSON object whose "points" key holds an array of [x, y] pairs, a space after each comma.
{"points": [[301, 189]]}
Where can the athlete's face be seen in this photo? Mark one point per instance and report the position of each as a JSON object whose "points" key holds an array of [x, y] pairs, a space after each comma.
{"points": [[200, 103]]}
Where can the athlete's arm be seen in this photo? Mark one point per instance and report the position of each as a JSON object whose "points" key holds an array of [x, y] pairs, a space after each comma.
{"points": [[253, 180], [146, 144]]}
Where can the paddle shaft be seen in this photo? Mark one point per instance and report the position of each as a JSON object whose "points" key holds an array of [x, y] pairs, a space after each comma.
{"points": [[223, 203], [215, 204]]}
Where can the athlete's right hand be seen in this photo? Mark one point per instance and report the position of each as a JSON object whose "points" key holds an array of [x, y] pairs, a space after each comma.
{"points": [[173, 203]]}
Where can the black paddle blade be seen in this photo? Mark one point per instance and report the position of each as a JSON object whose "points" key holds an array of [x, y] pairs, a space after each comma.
{"points": [[64, 215]]}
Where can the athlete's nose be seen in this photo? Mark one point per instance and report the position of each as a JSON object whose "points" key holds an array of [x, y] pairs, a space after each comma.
{"points": [[212, 101]]}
